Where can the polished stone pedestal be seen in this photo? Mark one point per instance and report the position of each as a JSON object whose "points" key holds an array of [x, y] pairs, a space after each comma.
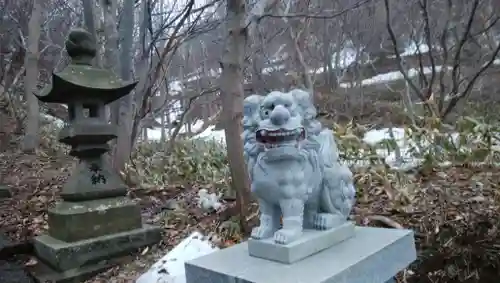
{"points": [[372, 255], [311, 242]]}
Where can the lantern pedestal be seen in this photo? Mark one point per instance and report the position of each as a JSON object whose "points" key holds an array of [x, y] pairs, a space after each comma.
{"points": [[93, 226], [96, 222], [77, 261]]}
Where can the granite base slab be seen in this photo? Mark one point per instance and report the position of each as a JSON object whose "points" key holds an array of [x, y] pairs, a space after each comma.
{"points": [[311, 242], [372, 255], [75, 221], [63, 256], [44, 273]]}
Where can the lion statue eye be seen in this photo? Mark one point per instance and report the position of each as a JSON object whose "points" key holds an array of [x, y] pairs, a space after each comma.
{"points": [[264, 113]]}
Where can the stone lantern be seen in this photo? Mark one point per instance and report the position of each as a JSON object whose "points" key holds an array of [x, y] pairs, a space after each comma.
{"points": [[95, 221]]}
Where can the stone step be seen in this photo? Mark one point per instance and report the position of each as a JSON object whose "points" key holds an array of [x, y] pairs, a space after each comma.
{"points": [[311, 242]]}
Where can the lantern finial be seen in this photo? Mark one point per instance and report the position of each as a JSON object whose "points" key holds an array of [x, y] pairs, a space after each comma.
{"points": [[81, 46]]}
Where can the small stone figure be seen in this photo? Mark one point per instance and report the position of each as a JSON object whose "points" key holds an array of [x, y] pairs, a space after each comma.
{"points": [[294, 167]]}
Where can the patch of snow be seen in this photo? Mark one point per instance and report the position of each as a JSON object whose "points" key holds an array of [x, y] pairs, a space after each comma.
{"points": [[392, 76], [374, 137], [211, 134], [319, 70], [347, 57], [208, 201], [193, 78], [269, 70], [409, 149], [170, 268], [406, 161], [279, 55], [175, 86], [412, 49], [53, 120], [203, 74], [155, 134]]}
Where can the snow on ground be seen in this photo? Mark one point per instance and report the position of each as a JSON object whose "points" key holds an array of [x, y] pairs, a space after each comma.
{"points": [[406, 160], [391, 76], [170, 268], [155, 134], [413, 49], [175, 86], [347, 56], [272, 69], [209, 201], [211, 134], [51, 119], [208, 134], [407, 147], [410, 151]]}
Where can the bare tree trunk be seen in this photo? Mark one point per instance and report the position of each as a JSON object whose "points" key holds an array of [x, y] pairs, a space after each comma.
{"points": [[30, 80], [300, 63], [232, 101], [90, 24], [163, 136], [124, 105], [164, 119], [109, 16]]}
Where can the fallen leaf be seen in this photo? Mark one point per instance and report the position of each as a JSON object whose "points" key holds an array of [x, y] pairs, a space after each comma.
{"points": [[145, 251], [31, 262]]}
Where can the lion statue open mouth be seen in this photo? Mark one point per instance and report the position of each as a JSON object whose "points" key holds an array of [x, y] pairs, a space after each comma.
{"points": [[280, 137], [294, 167]]}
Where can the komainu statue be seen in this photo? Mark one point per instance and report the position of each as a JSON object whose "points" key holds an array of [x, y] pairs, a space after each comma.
{"points": [[294, 167]]}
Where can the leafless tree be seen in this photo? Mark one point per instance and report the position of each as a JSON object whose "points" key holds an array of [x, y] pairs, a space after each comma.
{"points": [[453, 43], [30, 80]]}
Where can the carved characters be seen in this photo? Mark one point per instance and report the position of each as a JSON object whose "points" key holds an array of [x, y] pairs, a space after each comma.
{"points": [[294, 167]]}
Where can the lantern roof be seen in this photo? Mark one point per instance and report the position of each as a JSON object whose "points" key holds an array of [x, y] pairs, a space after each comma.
{"points": [[80, 81]]}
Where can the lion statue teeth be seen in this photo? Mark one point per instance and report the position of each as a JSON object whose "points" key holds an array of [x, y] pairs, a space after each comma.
{"points": [[294, 167]]}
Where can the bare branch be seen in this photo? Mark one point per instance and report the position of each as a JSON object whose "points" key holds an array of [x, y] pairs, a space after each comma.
{"points": [[430, 45], [458, 52], [454, 100], [321, 15], [444, 46], [398, 56], [182, 118]]}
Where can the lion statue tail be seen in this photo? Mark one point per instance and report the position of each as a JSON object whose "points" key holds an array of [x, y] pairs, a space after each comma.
{"points": [[337, 189]]}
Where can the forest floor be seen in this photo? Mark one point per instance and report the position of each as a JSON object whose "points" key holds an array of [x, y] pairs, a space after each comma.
{"points": [[454, 212]]}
